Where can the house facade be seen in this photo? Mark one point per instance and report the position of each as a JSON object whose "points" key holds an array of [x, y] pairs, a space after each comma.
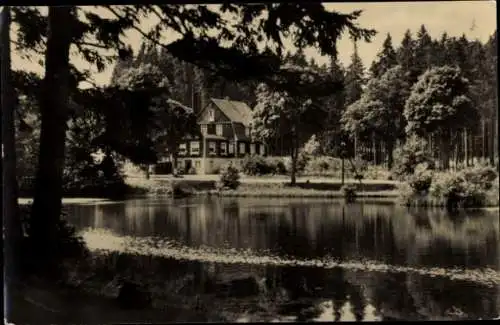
{"points": [[225, 135]]}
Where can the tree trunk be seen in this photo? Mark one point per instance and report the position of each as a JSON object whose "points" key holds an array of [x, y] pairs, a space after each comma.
{"points": [[466, 151], [11, 222], [54, 114], [483, 142], [173, 159], [294, 156], [390, 156], [444, 148], [491, 141]]}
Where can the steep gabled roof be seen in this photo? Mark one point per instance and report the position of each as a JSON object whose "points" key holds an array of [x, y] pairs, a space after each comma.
{"points": [[236, 111]]}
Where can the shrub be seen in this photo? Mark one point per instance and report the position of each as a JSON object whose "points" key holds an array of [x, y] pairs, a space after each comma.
{"points": [[254, 165], [471, 187], [192, 171], [481, 175], [411, 154], [279, 166], [406, 194], [229, 176], [302, 161], [377, 172], [312, 147], [321, 165], [421, 180], [349, 192]]}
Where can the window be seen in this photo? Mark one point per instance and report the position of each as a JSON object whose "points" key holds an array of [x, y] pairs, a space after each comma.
{"points": [[211, 129], [262, 149], [218, 129], [252, 148], [211, 115], [247, 131], [223, 148], [204, 128], [194, 147], [242, 148], [182, 149], [211, 148], [231, 148], [197, 164]]}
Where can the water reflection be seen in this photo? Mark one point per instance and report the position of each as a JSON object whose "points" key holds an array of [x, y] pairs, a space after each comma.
{"points": [[308, 229], [313, 228]]}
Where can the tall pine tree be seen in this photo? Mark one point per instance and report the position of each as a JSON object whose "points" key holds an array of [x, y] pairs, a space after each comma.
{"points": [[406, 59], [355, 78], [385, 60], [423, 52]]}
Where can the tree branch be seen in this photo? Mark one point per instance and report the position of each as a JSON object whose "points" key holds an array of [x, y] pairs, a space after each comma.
{"points": [[82, 43], [19, 45]]}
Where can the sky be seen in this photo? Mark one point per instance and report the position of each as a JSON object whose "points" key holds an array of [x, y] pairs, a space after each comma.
{"points": [[475, 19]]}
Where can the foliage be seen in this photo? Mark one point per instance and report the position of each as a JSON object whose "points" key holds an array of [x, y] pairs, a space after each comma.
{"points": [[349, 191], [421, 180], [254, 165], [411, 154], [482, 175], [379, 112], [440, 102], [230, 176], [385, 59], [354, 78], [169, 121], [321, 165], [277, 165], [467, 188], [312, 146], [293, 116]]}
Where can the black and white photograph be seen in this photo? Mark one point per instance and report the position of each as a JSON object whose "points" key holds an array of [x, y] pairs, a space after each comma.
{"points": [[250, 162]]}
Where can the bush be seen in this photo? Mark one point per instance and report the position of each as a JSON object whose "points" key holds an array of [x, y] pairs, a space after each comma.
{"points": [[421, 180], [349, 191], [279, 167], [229, 177], [471, 187], [481, 175], [322, 165], [254, 165], [377, 172], [411, 154]]}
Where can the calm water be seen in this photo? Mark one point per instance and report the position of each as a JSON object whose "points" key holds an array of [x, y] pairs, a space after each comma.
{"points": [[295, 260]]}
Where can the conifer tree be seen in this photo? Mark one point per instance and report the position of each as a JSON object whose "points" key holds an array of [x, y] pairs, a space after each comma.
{"points": [[385, 60], [423, 51], [406, 59], [355, 78]]}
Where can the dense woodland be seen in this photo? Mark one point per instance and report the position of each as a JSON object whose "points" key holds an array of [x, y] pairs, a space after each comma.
{"points": [[416, 54]]}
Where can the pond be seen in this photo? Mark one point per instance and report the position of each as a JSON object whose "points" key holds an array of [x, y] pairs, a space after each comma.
{"points": [[242, 259]]}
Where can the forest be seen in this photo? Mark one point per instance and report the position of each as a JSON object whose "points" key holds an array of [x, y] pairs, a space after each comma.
{"points": [[369, 110]]}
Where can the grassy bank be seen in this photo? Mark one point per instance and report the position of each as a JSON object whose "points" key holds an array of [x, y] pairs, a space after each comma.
{"points": [[262, 187], [320, 190]]}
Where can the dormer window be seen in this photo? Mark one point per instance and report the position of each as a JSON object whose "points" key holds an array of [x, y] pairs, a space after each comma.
{"points": [[211, 115]]}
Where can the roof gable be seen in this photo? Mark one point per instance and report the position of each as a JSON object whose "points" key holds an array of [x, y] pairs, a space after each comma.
{"points": [[236, 111]]}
